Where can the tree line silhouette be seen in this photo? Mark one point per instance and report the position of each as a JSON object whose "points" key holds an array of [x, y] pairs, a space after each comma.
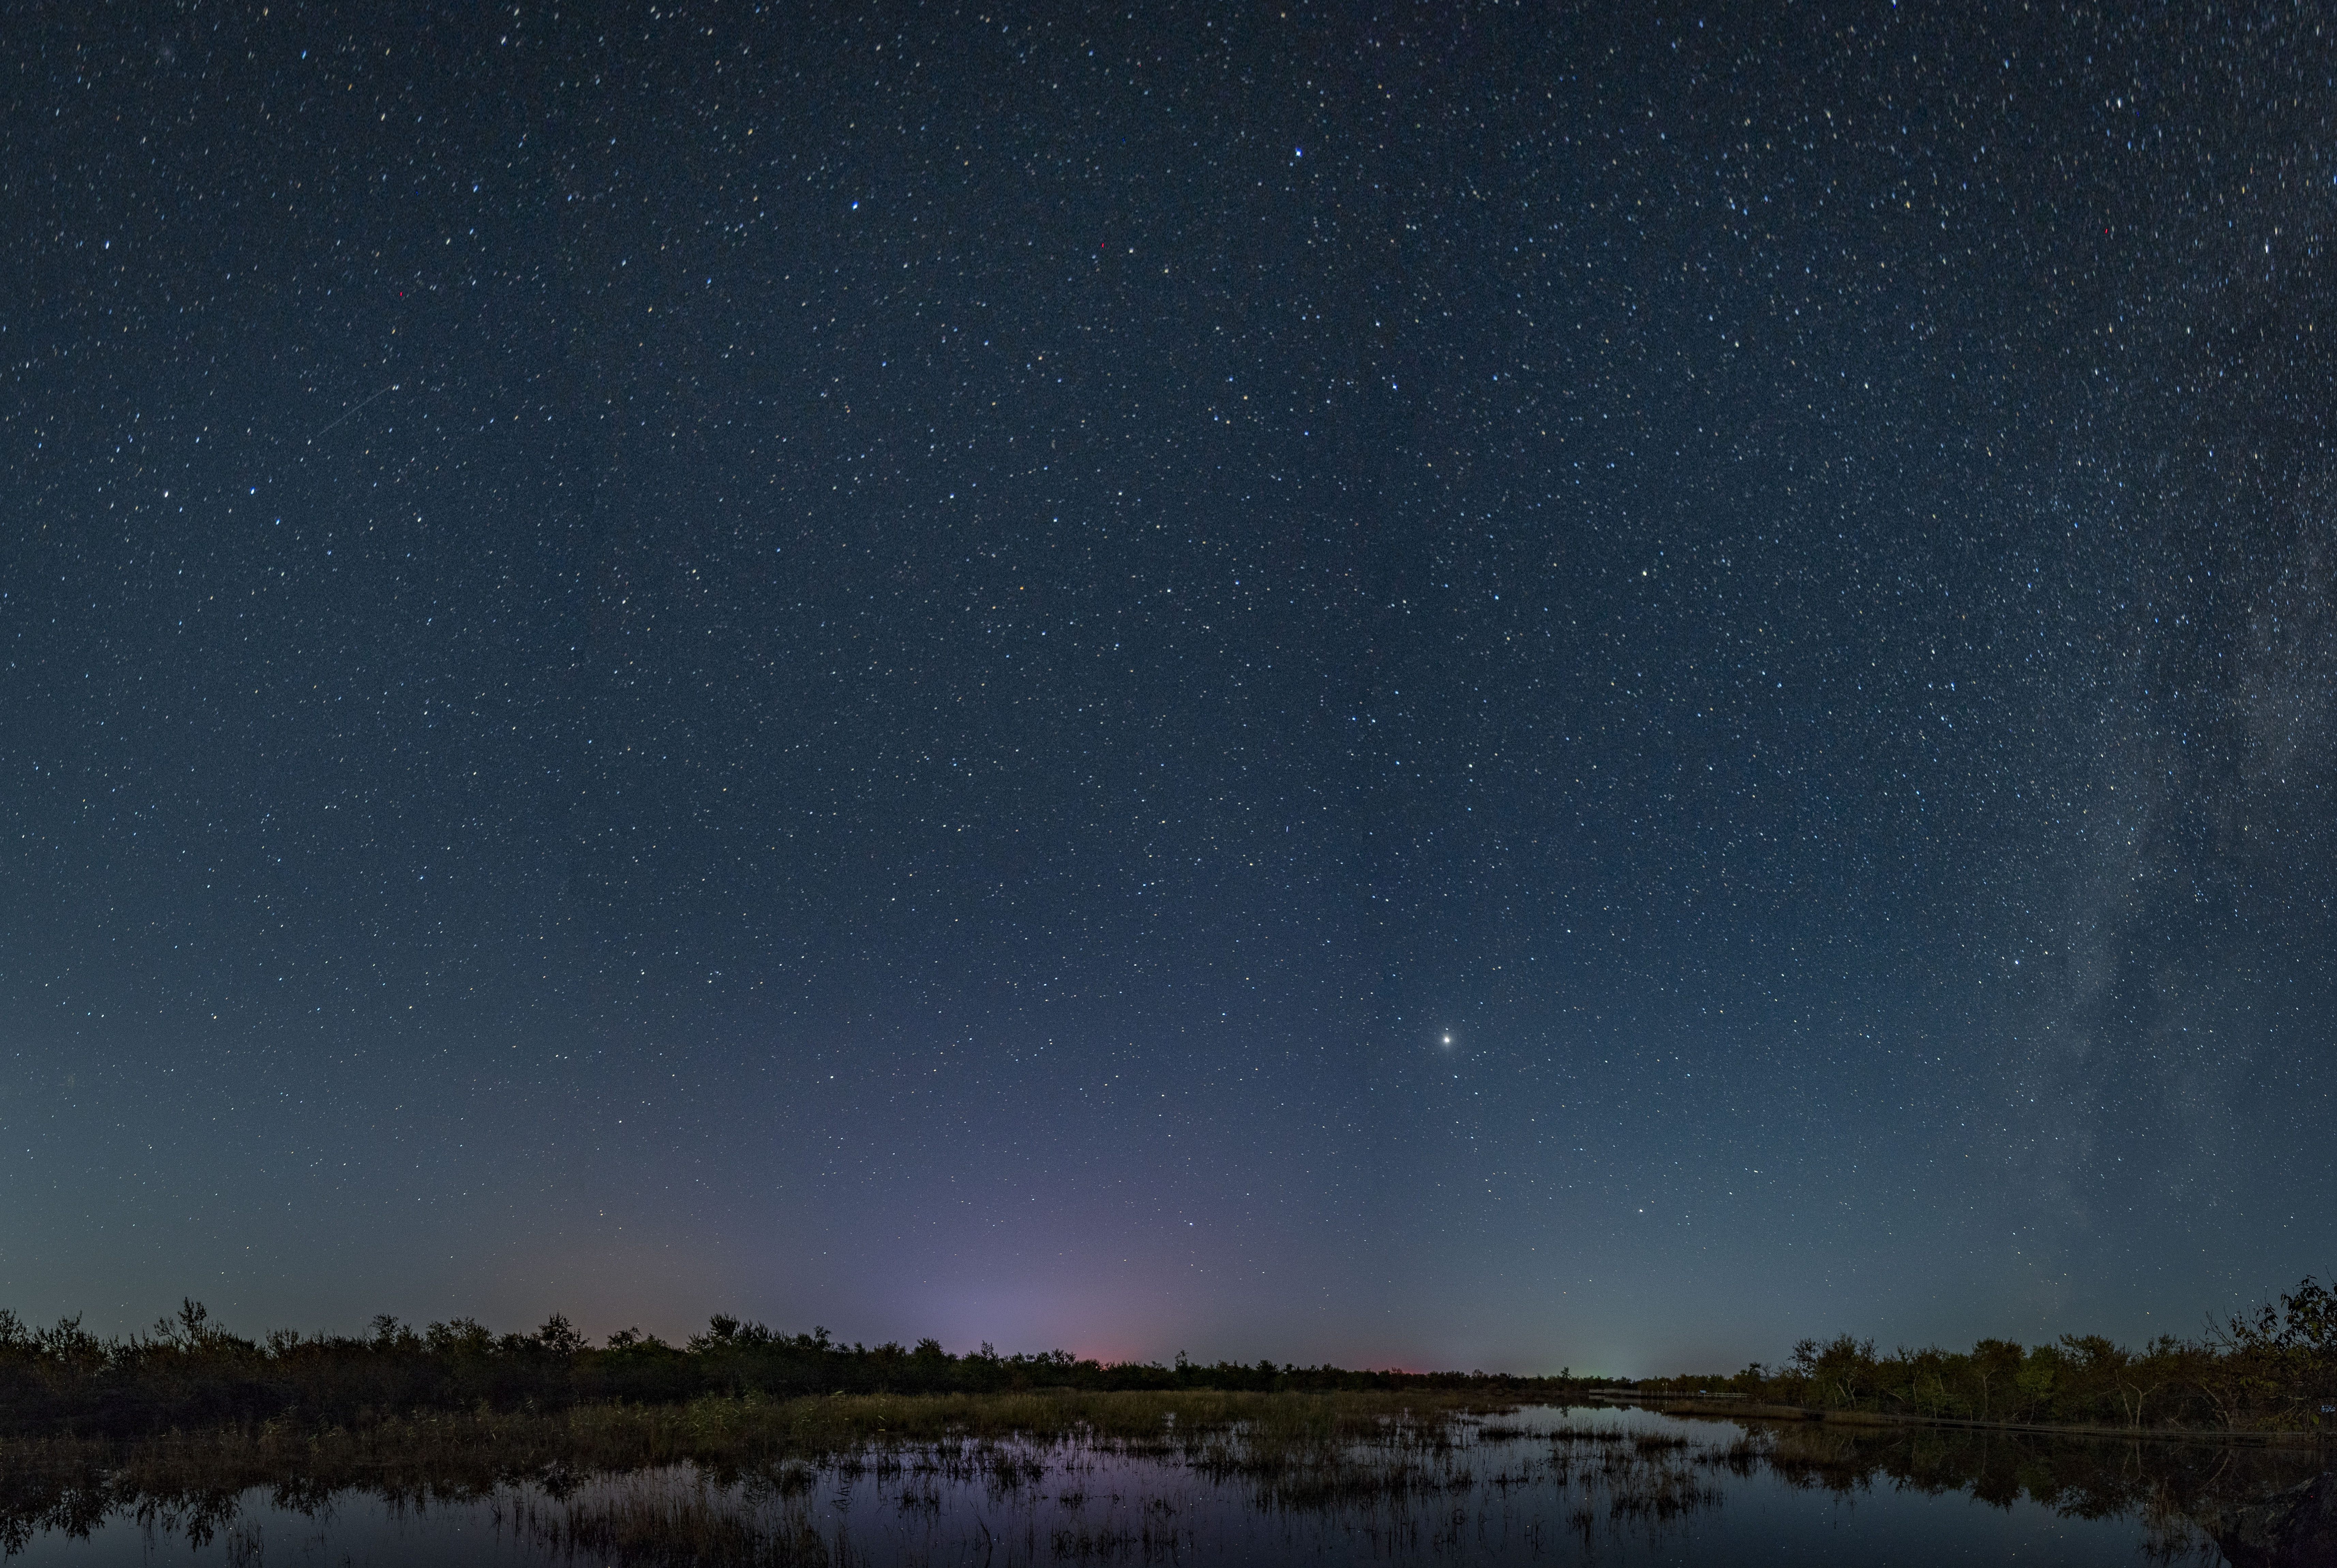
{"points": [[2271, 1369], [189, 1373]]}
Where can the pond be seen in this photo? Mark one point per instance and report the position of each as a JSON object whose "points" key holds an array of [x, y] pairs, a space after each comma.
{"points": [[1537, 1486]]}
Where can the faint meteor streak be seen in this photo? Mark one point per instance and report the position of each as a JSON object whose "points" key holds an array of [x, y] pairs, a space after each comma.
{"points": [[347, 412]]}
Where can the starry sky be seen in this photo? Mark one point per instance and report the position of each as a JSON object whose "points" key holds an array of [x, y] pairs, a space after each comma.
{"points": [[1436, 686]]}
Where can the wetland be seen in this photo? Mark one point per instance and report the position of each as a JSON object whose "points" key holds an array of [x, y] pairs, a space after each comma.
{"points": [[1067, 1476]]}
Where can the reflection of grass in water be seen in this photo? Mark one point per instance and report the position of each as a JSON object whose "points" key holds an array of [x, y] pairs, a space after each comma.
{"points": [[1389, 1466], [1398, 1474], [662, 1519], [1633, 1478], [732, 1481], [459, 1456], [1659, 1493], [2169, 1487]]}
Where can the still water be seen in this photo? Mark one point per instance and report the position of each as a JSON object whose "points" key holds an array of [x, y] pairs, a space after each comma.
{"points": [[1539, 1486]]}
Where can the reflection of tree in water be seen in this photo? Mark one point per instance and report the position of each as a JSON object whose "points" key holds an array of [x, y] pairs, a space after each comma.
{"points": [[193, 1489], [74, 1506], [31, 1505], [1410, 1489], [2173, 1487]]}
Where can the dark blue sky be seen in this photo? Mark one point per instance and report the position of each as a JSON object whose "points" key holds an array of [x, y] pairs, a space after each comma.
{"points": [[1447, 687]]}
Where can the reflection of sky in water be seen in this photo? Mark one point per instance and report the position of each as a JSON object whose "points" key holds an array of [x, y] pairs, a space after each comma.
{"points": [[1514, 1507]]}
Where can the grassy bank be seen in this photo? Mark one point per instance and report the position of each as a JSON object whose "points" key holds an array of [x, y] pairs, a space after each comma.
{"points": [[750, 1433]]}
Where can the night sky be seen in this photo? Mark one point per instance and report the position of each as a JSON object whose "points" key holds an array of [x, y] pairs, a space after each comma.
{"points": [[1461, 686]]}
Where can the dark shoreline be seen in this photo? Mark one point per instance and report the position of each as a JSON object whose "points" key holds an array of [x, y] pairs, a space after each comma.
{"points": [[1754, 1410]]}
